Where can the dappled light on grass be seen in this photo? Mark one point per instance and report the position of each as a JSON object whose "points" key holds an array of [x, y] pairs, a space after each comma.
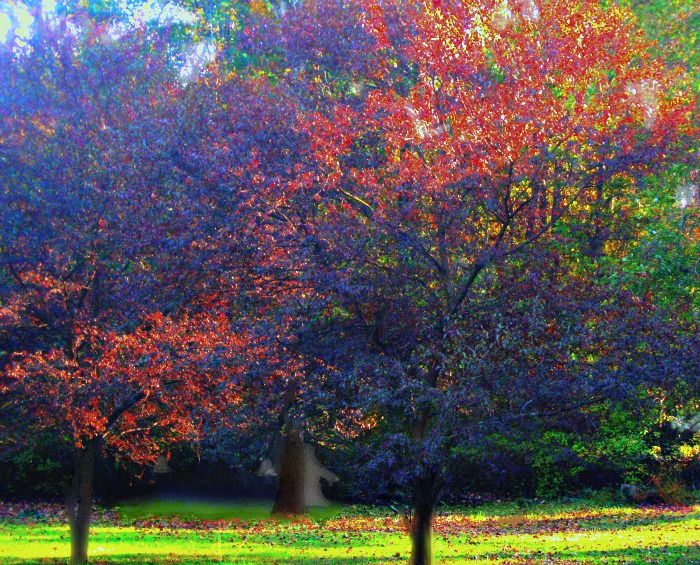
{"points": [[597, 536]]}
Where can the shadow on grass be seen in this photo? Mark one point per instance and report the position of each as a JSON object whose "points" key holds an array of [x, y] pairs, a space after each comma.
{"points": [[257, 559], [544, 525], [607, 523], [206, 509], [667, 555], [670, 555]]}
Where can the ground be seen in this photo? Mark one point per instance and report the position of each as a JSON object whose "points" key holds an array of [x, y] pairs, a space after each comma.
{"points": [[203, 533]]}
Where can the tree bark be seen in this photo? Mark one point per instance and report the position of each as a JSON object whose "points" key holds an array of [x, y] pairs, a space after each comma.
{"points": [[427, 492], [291, 465], [290, 492], [79, 501]]}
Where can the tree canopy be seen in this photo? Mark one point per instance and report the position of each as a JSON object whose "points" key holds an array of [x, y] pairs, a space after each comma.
{"points": [[408, 223]]}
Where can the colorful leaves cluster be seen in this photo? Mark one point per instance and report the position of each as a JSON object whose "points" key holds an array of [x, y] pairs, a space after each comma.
{"points": [[383, 223]]}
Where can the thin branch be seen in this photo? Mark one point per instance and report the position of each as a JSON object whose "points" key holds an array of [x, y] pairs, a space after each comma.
{"points": [[561, 410]]}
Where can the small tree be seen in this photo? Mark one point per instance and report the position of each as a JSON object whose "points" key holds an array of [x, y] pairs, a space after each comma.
{"points": [[133, 393], [100, 259]]}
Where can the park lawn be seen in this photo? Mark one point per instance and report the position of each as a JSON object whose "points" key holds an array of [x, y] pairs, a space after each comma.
{"points": [[193, 509], [535, 535]]}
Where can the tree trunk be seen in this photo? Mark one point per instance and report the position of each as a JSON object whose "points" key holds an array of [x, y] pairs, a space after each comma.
{"points": [[290, 492], [79, 501], [291, 461], [427, 492]]}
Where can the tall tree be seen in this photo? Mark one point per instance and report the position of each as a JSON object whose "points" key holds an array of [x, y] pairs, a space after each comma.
{"points": [[240, 146], [477, 129]]}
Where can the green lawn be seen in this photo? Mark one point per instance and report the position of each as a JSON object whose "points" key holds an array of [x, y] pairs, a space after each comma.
{"points": [[189, 534]]}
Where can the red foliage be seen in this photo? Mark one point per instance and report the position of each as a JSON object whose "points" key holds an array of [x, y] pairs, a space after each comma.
{"points": [[380, 201], [438, 173], [137, 391]]}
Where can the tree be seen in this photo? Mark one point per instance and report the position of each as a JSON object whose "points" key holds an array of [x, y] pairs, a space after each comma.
{"points": [[662, 255], [235, 152], [479, 128], [674, 27], [133, 393], [108, 335]]}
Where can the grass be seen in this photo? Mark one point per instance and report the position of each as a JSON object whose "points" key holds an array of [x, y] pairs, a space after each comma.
{"points": [[193, 509], [141, 509], [197, 533]]}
